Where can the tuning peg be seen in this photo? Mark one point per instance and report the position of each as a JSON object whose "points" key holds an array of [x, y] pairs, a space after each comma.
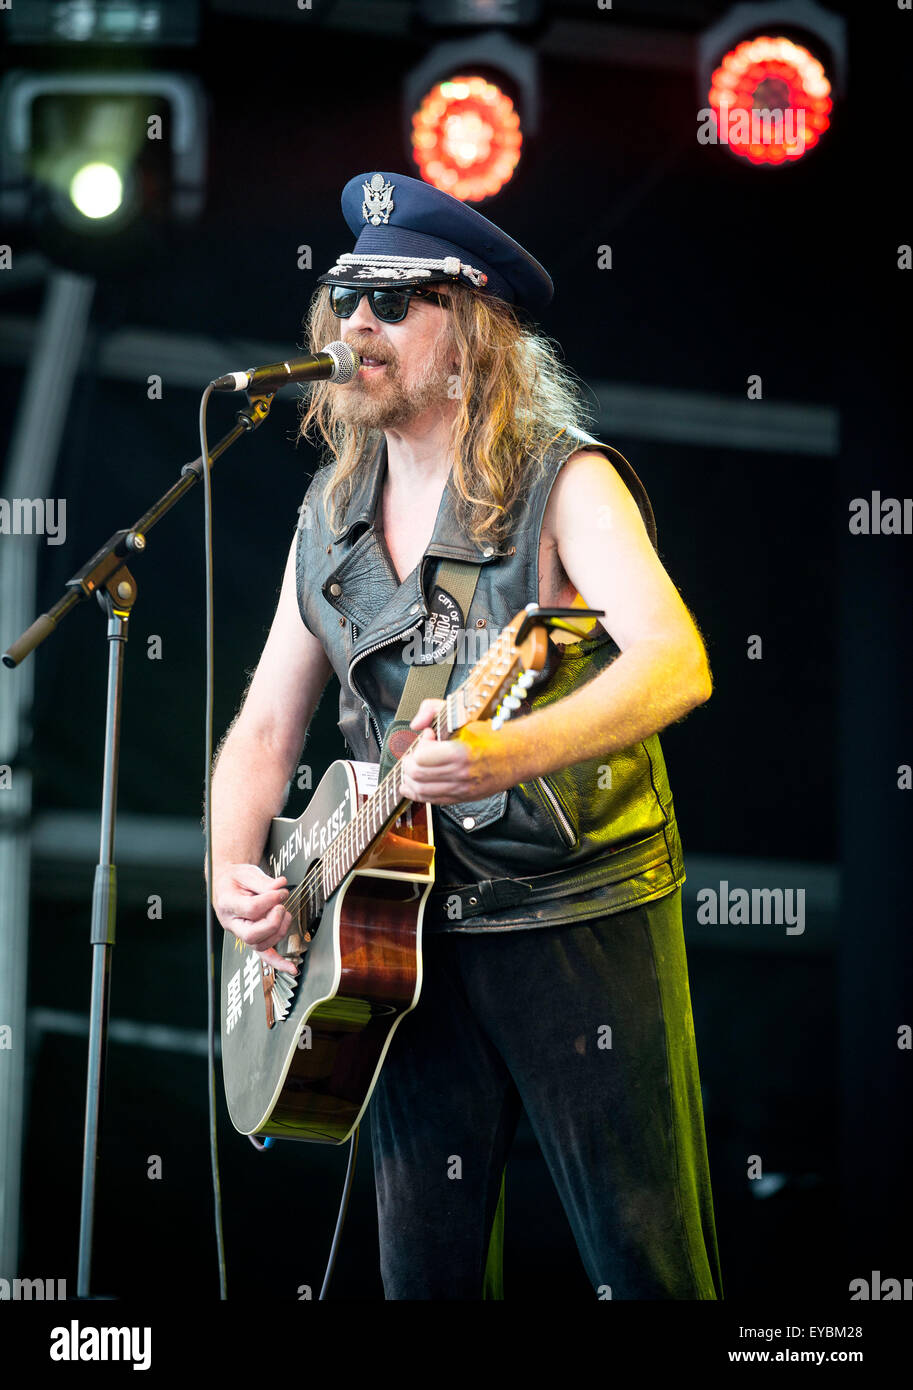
{"points": [[511, 702]]}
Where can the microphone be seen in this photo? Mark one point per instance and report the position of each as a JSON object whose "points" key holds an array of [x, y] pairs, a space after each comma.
{"points": [[337, 362]]}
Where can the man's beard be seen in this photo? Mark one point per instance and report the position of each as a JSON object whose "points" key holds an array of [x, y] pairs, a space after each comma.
{"points": [[388, 402]]}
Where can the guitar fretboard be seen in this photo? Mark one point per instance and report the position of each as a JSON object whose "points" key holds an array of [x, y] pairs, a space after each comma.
{"points": [[384, 805]]}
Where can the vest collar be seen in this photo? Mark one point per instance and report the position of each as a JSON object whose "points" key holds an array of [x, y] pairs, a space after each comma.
{"points": [[365, 493]]}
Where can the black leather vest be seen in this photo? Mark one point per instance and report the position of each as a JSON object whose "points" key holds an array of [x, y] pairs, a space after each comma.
{"points": [[602, 831]]}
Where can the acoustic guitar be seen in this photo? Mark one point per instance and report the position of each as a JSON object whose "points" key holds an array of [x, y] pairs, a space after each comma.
{"points": [[301, 1054]]}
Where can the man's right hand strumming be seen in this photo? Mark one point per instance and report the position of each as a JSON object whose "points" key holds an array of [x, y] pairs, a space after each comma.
{"points": [[250, 904]]}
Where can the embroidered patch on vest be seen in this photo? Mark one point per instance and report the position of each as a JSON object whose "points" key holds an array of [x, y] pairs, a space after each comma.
{"points": [[441, 630]]}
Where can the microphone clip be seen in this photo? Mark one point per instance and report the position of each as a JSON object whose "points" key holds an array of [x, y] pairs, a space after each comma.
{"points": [[256, 410]]}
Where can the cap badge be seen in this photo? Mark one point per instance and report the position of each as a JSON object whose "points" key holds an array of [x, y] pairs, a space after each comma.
{"points": [[378, 202]]}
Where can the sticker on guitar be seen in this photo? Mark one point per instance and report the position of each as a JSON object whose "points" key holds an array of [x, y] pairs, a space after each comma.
{"points": [[320, 835], [366, 777], [235, 996]]}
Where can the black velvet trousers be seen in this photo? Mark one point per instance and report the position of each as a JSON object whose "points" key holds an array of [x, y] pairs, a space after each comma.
{"points": [[588, 1027]]}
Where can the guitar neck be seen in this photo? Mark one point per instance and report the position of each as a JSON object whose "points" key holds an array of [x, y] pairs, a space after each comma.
{"points": [[473, 700], [384, 805]]}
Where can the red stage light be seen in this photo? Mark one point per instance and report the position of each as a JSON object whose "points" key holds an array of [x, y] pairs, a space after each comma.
{"points": [[771, 99], [466, 137]]}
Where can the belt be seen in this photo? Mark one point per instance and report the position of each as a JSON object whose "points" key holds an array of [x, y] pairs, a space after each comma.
{"points": [[493, 894]]}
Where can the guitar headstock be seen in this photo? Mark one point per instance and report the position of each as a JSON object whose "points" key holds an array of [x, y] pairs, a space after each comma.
{"points": [[497, 684]]}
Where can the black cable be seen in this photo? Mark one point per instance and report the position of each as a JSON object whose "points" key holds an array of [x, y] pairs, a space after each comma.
{"points": [[207, 795], [210, 941], [343, 1208]]}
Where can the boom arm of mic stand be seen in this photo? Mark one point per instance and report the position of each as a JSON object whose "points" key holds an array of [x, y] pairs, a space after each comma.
{"points": [[94, 575]]}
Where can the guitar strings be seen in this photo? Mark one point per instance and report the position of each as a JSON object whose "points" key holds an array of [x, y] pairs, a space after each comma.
{"points": [[308, 885]]}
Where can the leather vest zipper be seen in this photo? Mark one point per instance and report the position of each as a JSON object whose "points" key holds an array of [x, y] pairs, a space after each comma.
{"points": [[565, 829], [371, 722], [376, 646]]}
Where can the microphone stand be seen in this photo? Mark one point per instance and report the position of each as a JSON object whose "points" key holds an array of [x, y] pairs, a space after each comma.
{"points": [[107, 576]]}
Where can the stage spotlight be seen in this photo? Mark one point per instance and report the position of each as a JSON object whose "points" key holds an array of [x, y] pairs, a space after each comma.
{"points": [[767, 76], [95, 154], [469, 106], [771, 100], [97, 190], [466, 137]]}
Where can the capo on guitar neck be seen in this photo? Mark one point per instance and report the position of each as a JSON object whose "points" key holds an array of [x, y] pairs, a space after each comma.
{"points": [[552, 617]]}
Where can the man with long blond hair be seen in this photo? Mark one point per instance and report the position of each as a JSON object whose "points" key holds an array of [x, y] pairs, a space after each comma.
{"points": [[554, 969]]}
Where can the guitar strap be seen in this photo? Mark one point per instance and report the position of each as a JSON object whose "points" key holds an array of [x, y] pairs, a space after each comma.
{"points": [[428, 682]]}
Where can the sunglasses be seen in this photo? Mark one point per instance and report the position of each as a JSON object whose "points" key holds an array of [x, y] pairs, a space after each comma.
{"points": [[388, 305]]}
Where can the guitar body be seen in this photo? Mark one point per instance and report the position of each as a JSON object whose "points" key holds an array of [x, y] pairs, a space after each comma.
{"points": [[309, 1075], [302, 1054]]}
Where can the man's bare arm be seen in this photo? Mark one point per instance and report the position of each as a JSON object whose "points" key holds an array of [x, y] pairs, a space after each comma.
{"points": [[661, 674], [663, 671], [253, 771]]}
